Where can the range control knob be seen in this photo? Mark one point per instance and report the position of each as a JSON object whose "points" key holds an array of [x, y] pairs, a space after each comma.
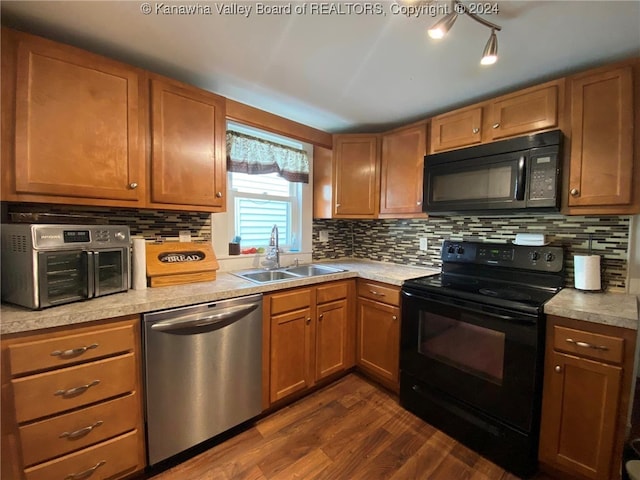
{"points": [[460, 250], [549, 257], [534, 256], [119, 236]]}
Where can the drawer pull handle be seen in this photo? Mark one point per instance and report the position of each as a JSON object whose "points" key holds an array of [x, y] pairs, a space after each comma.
{"points": [[377, 294], [87, 473], [586, 345], [73, 352], [72, 392], [81, 432]]}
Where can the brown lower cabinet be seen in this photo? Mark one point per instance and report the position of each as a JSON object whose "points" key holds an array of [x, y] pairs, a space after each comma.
{"points": [[71, 402], [378, 332], [587, 381], [308, 335]]}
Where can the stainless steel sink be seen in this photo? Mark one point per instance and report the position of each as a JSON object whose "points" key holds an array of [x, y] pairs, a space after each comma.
{"points": [[313, 270], [288, 273], [265, 276]]}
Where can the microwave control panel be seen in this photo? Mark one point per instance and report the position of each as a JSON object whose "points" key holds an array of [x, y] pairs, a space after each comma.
{"points": [[543, 174]]}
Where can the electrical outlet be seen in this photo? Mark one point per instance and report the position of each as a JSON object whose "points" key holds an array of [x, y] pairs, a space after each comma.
{"points": [[423, 243], [324, 236]]}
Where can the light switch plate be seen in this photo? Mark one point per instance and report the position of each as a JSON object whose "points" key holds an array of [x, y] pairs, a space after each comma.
{"points": [[423, 243], [324, 236]]}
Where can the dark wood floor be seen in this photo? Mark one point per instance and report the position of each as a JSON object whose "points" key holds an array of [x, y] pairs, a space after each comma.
{"points": [[347, 431]]}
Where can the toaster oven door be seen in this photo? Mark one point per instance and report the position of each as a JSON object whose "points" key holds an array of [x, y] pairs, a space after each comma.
{"points": [[63, 277], [111, 271]]}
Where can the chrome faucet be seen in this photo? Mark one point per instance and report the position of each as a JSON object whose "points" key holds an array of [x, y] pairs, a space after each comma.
{"points": [[272, 259]]}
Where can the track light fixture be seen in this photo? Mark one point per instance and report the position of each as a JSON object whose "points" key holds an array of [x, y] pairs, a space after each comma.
{"points": [[442, 26]]}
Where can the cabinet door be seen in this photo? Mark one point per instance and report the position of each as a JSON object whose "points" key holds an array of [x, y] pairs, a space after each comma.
{"points": [[579, 415], [188, 163], [77, 124], [290, 353], [378, 338], [457, 129], [322, 188], [602, 139], [524, 112], [356, 175], [331, 338], [402, 164]]}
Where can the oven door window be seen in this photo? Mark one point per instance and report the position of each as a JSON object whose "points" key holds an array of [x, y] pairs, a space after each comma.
{"points": [[471, 348]]}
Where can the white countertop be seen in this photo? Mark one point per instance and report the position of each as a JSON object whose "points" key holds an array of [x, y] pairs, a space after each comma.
{"points": [[15, 319]]}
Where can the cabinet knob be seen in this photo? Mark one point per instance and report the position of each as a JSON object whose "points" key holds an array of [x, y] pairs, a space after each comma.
{"points": [[337, 204], [308, 320], [575, 192], [558, 369], [219, 195], [320, 317], [133, 185], [476, 130], [495, 125], [394, 317], [418, 203]]}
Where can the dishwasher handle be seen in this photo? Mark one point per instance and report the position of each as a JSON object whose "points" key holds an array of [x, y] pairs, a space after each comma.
{"points": [[192, 324]]}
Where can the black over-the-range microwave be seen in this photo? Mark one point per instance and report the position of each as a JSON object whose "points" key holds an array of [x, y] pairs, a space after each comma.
{"points": [[519, 175]]}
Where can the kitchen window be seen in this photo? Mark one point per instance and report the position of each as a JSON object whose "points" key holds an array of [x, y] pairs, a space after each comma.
{"points": [[259, 195], [257, 202]]}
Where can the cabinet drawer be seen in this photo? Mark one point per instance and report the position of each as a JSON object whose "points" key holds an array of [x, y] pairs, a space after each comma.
{"points": [[587, 344], [46, 439], [40, 395], [379, 293], [331, 292], [55, 352], [290, 301], [108, 459]]}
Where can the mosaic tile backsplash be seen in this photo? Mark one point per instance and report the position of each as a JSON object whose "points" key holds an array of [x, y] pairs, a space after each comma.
{"points": [[397, 241], [148, 223]]}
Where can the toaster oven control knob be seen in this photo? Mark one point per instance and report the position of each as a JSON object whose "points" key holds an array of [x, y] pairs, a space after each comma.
{"points": [[549, 257], [460, 250], [451, 249], [534, 256], [119, 236]]}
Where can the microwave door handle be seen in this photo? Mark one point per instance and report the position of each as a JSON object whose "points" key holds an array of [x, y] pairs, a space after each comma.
{"points": [[520, 178]]}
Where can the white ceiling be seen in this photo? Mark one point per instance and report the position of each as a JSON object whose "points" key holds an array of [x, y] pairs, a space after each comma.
{"points": [[343, 72]]}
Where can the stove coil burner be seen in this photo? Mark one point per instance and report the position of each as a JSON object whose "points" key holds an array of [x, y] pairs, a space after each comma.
{"points": [[505, 294]]}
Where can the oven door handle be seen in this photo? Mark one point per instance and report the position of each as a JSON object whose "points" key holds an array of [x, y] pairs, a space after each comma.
{"points": [[526, 318]]}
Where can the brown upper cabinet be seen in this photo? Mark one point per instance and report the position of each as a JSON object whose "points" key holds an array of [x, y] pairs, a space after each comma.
{"points": [[533, 109], [401, 171], [356, 176], [461, 128], [75, 127], [601, 165], [71, 129], [187, 144]]}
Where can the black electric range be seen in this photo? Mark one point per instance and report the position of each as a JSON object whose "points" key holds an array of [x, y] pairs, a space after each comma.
{"points": [[472, 347]]}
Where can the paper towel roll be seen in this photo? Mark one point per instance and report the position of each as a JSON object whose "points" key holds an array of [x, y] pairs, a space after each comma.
{"points": [[139, 264], [587, 272]]}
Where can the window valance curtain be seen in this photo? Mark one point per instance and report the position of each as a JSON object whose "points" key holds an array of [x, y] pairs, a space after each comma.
{"points": [[247, 154]]}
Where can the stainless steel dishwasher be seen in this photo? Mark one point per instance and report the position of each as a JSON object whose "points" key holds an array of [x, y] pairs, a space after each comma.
{"points": [[203, 368]]}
